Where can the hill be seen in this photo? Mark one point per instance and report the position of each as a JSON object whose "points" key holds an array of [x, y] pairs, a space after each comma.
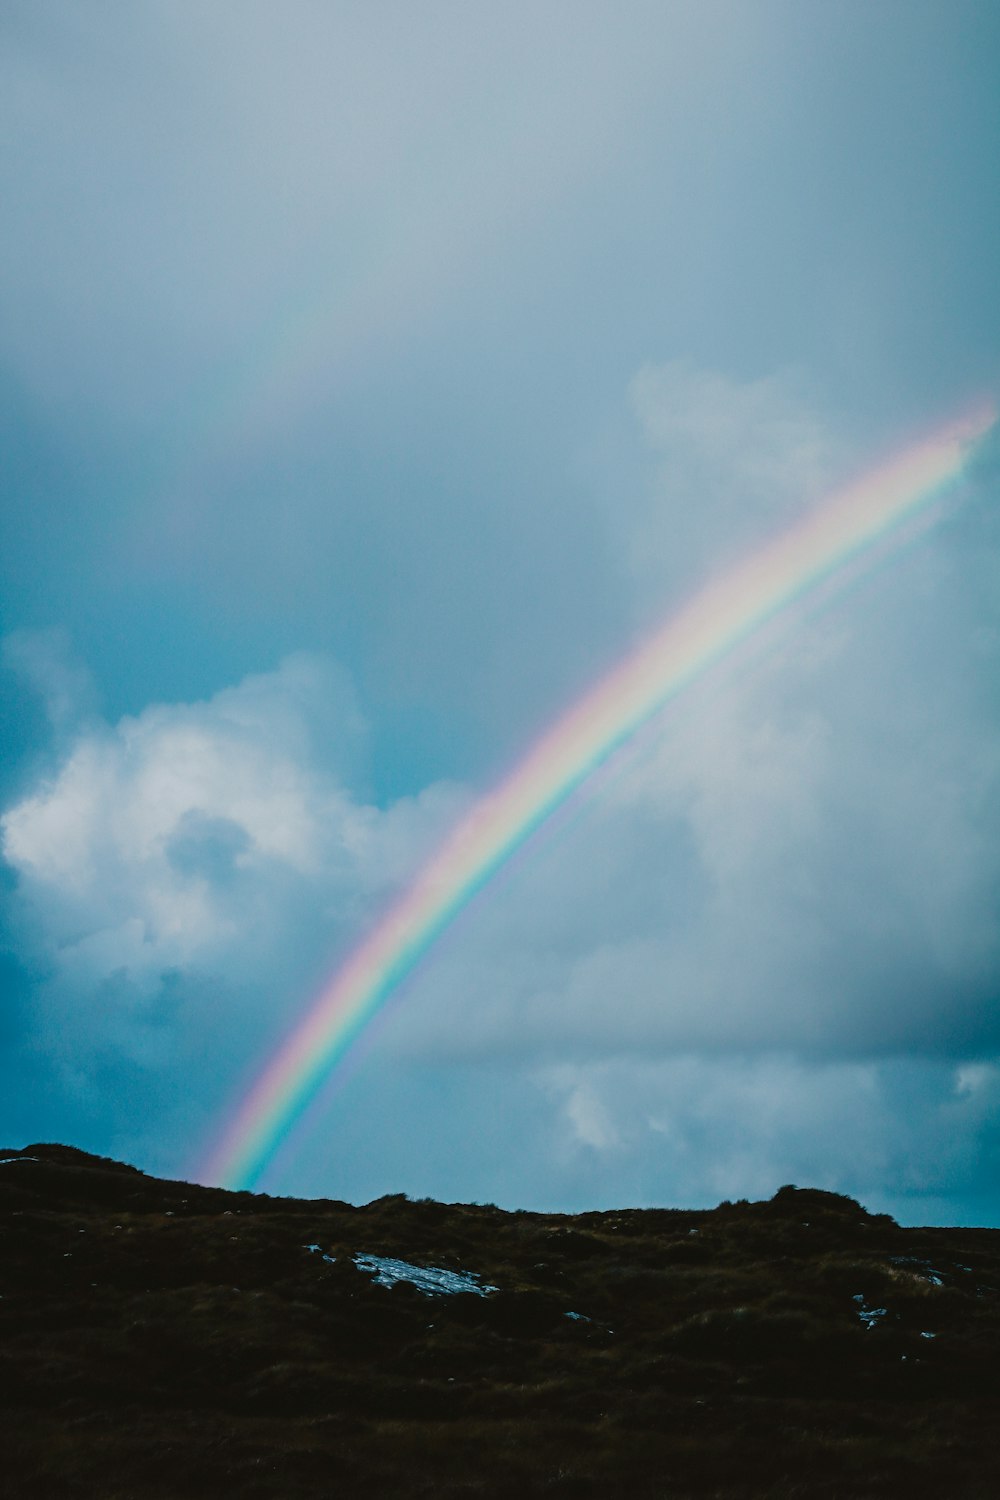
{"points": [[160, 1340]]}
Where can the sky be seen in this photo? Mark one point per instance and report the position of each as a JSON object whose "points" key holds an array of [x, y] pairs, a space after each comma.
{"points": [[374, 376]]}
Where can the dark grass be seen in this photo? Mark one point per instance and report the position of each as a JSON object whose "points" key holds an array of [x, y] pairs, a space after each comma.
{"points": [[161, 1340]]}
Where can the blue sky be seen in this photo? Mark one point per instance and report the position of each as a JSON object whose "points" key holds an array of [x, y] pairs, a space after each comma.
{"points": [[373, 376]]}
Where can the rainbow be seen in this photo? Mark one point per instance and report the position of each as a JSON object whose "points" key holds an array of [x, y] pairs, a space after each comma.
{"points": [[818, 548]]}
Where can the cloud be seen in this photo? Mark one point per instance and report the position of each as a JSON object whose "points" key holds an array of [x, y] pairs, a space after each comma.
{"points": [[766, 949], [301, 185], [696, 1129], [318, 329], [734, 461], [198, 840], [804, 856], [44, 660]]}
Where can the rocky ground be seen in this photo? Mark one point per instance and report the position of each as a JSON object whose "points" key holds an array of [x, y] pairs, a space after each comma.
{"points": [[160, 1341]]}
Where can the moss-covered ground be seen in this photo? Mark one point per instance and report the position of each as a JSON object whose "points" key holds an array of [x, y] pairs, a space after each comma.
{"points": [[160, 1341]]}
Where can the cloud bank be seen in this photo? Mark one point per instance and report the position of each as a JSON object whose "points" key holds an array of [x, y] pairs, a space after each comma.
{"points": [[204, 854], [767, 951]]}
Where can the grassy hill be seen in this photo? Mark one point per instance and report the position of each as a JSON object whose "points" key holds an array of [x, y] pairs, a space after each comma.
{"points": [[159, 1339]]}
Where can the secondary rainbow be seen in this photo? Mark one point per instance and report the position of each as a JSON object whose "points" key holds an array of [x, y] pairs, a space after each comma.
{"points": [[814, 550]]}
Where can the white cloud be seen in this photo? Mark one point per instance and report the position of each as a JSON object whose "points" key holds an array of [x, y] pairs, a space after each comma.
{"points": [[202, 838], [695, 1129], [765, 951]]}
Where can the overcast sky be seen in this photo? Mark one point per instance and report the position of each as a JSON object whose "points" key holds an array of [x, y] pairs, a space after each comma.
{"points": [[373, 376]]}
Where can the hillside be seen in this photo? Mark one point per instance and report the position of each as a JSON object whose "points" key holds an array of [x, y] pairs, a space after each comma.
{"points": [[159, 1339]]}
